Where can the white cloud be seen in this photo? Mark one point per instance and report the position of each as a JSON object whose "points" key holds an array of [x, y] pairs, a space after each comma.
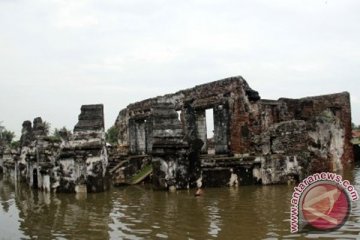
{"points": [[75, 14]]}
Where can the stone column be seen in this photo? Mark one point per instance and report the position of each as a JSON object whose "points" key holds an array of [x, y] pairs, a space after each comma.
{"points": [[221, 129], [170, 164], [201, 129]]}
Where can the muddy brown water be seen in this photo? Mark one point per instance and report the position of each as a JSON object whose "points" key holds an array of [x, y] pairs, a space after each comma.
{"points": [[138, 212]]}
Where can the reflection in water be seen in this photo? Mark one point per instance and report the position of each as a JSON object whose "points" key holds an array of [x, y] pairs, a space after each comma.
{"points": [[246, 212], [48, 216], [215, 220]]}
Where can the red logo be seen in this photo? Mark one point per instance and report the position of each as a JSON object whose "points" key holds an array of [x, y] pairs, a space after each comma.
{"points": [[325, 206]]}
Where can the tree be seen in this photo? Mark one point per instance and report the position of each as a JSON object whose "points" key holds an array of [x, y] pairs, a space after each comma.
{"points": [[6, 136], [56, 133], [1, 135], [46, 128], [2, 128], [354, 126], [15, 144], [112, 135]]}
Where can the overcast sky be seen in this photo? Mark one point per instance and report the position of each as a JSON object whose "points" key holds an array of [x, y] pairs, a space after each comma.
{"points": [[56, 55]]}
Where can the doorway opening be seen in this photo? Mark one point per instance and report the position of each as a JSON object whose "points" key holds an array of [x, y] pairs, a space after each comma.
{"points": [[179, 115], [209, 113], [35, 178]]}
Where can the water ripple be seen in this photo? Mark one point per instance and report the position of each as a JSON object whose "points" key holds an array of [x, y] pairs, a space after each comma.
{"points": [[246, 212]]}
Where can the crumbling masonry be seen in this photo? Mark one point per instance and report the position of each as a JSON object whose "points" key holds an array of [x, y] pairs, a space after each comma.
{"points": [[164, 139], [83, 160], [255, 140], [75, 163]]}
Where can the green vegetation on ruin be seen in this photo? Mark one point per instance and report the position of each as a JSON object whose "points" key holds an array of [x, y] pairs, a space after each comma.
{"points": [[144, 172]]}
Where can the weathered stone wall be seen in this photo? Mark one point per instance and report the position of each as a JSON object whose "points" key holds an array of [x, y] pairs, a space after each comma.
{"points": [[292, 137], [170, 165], [224, 96], [76, 163], [91, 118], [83, 156], [35, 160], [339, 105], [7, 163]]}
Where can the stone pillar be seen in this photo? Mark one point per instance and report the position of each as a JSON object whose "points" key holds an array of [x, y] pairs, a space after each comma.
{"points": [[149, 135], [221, 129], [170, 164], [132, 136], [140, 137], [201, 129], [190, 123], [137, 133], [83, 158]]}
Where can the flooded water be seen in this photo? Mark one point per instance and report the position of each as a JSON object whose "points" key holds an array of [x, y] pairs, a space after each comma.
{"points": [[246, 212]]}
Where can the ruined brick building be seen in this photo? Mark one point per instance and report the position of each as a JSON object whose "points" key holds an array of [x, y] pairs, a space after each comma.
{"points": [[255, 140], [83, 159], [165, 139], [75, 163]]}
